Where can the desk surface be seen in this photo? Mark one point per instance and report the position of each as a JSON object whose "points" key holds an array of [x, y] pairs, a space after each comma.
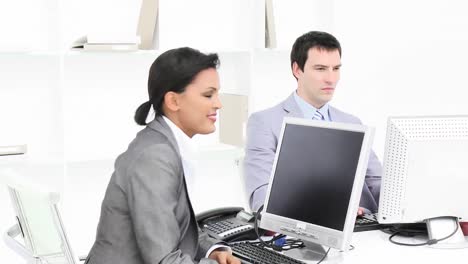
{"points": [[374, 247]]}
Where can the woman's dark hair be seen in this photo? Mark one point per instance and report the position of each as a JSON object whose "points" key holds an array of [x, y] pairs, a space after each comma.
{"points": [[312, 39], [172, 71]]}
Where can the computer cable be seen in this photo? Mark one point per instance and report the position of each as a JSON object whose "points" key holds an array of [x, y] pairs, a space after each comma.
{"points": [[280, 243], [351, 247], [428, 242], [292, 243], [324, 256], [269, 243], [286, 245], [407, 230], [257, 216]]}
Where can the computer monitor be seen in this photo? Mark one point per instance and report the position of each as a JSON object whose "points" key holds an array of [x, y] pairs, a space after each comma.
{"points": [[425, 177], [316, 181]]}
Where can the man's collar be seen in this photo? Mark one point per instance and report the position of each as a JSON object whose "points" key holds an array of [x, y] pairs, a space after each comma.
{"points": [[291, 107], [309, 110]]}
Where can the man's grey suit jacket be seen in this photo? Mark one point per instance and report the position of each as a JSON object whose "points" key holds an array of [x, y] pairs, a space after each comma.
{"points": [[263, 129], [146, 215]]}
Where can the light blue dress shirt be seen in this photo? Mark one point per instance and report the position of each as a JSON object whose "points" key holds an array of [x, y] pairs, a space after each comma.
{"points": [[308, 110]]}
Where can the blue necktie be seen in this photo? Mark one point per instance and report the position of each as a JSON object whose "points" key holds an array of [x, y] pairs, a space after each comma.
{"points": [[317, 115]]}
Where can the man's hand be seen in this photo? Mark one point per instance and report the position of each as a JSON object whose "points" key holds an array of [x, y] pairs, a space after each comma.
{"points": [[360, 211], [224, 257], [363, 211]]}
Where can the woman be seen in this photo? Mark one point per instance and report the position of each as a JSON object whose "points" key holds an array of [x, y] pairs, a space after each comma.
{"points": [[146, 215]]}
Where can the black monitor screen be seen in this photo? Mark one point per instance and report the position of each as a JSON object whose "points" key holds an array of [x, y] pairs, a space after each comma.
{"points": [[314, 175]]}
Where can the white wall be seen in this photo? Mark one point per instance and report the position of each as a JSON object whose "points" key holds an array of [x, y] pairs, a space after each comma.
{"points": [[399, 58], [27, 25], [294, 18], [102, 92], [211, 24], [402, 58]]}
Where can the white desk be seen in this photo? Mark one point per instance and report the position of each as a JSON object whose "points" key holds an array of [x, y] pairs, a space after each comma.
{"points": [[86, 183], [373, 247]]}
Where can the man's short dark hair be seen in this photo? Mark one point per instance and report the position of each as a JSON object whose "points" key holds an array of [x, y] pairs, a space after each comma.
{"points": [[312, 39]]}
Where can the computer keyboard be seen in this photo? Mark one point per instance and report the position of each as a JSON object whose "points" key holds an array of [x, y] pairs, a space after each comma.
{"points": [[251, 253], [367, 222]]}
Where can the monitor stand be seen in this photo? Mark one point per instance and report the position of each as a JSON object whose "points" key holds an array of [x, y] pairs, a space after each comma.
{"points": [[311, 251]]}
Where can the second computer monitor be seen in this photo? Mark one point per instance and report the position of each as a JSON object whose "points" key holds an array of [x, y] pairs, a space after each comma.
{"points": [[317, 180], [426, 173]]}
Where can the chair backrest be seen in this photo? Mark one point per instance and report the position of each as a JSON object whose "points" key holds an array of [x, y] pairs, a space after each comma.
{"points": [[39, 219]]}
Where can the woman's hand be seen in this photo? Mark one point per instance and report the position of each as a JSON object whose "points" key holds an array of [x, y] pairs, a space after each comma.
{"points": [[224, 257]]}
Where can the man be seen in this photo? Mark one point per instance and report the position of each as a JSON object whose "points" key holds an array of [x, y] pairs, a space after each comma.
{"points": [[315, 63]]}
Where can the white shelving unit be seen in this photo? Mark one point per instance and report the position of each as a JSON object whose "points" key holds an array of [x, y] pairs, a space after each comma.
{"points": [[30, 107]]}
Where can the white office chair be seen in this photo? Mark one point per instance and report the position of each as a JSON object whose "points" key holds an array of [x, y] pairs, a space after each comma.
{"points": [[39, 224]]}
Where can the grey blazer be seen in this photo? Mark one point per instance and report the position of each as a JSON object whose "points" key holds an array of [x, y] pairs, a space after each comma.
{"points": [[263, 129], [146, 214]]}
